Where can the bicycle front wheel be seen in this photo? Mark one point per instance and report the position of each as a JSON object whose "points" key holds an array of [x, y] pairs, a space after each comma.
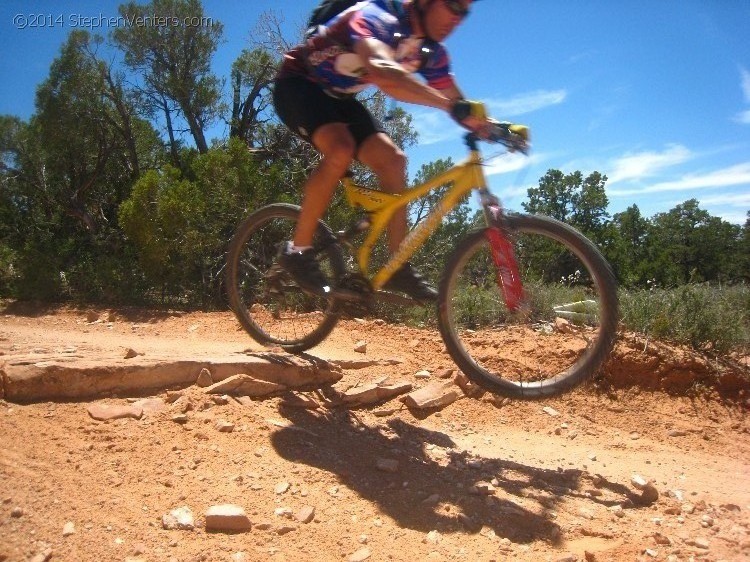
{"points": [[562, 333], [267, 302]]}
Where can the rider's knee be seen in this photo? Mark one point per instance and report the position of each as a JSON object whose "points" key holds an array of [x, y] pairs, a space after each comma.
{"points": [[390, 161], [340, 153], [398, 160]]}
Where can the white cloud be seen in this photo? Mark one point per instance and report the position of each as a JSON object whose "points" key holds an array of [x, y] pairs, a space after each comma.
{"points": [[744, 116], [647, 164], [508, 163], [434, 126], [738, 174], [526, 103], [745, 76], [731, 199], [738, 218]]}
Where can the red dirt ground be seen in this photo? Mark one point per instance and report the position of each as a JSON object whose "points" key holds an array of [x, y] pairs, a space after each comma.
{"points": [[560, 486]]}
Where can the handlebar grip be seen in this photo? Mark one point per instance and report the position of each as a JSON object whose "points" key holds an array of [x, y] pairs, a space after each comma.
{"points": [[503, 134]]}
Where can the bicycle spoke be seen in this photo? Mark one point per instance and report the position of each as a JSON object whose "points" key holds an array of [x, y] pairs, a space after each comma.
{"points": [[560, 333], [268, 303]]}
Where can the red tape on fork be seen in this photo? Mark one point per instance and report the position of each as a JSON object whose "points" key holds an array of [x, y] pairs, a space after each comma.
{"points": [[508, 278]]}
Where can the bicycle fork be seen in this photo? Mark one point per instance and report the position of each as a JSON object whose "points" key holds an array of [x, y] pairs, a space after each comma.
{"points": [[501, 250]]}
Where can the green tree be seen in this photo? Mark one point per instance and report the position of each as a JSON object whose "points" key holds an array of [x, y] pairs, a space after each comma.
{"points": [[180, 224], [10, 216], [744, 261], [252, 75], [628, 250], [174, 62], [581, 202], [66, 171], [687, 244], [432, 256], [73, 123]]}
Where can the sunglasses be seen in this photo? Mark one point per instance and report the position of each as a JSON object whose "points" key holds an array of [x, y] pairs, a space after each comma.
{"points": [[456, 8]]}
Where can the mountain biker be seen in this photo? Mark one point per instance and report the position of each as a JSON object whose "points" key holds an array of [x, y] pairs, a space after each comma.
{"points": [[379, 43]]}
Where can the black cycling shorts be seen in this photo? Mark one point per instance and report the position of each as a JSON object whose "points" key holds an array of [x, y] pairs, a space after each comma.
{"points": [[303, 106]]}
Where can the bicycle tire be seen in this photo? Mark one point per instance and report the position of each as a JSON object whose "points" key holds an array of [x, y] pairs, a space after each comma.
{"points": [[265, 300], [584, 292]]}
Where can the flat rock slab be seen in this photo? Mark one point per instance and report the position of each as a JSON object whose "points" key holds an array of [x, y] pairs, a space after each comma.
{"points": [[104, 412], [373, 393], [245, 385], [438, 394], [23, 381]]}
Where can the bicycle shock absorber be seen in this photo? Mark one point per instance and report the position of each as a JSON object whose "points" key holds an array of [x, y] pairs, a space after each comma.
{"points": [[503, 256]]}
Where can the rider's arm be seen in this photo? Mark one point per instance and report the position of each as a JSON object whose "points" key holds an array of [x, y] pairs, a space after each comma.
{"points": [[452, 92], [383, 71]]}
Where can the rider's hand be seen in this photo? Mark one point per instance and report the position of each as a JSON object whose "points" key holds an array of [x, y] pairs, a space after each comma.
{"points": [[521, 130], [513, 135], [470, 114]]}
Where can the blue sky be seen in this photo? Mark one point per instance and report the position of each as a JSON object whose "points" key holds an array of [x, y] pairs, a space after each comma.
{"points": [[656, 95]]}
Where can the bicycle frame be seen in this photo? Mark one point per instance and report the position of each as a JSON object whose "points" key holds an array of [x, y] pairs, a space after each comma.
{"points": [[381, 207]]}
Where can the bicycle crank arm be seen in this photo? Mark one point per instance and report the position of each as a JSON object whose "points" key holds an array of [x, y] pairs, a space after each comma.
{"points": [[393, 298]]}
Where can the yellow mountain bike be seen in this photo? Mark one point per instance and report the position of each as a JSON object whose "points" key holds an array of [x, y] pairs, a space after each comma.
{"points": [[518, 279]]}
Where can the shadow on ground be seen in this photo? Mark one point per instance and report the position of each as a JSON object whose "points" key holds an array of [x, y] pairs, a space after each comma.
{"points": [[36, 309], [521, 508]]}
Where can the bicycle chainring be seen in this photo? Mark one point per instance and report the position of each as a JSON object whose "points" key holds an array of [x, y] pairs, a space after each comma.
{"points": [[356, 283]]}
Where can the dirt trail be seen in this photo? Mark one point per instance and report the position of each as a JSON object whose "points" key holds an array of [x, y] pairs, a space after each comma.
{"points": [[479, 480]]}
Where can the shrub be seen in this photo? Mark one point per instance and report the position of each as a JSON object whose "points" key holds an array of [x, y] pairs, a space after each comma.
{"points": [[703, 316]]}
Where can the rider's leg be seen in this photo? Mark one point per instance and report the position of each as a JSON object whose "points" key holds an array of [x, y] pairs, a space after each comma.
{"points": [[382, 156], [337, 147]]}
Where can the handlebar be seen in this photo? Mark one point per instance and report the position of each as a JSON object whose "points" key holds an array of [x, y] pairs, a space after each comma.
{"points": [[501, 134]]}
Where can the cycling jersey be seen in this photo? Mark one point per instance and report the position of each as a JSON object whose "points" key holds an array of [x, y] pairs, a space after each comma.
{"points": [[328, 57]]}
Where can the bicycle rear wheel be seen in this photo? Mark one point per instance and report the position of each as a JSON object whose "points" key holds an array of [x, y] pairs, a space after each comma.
{"points": [[565, 328], [267, 302]]}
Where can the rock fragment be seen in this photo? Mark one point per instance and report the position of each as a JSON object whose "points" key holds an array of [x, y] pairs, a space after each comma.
{"points": [[360, 556], [299, 401], [469, 388], [649, 493], [150, 405], [204, 378], [43, 556], [178, 519], [224, 426], [244, 385], [227, 518], [373, 393], [434, 395], [306, 514], [387, 465], [105, 412]]}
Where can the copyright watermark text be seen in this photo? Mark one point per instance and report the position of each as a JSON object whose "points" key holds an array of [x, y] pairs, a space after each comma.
{"points": [[101, 21]]}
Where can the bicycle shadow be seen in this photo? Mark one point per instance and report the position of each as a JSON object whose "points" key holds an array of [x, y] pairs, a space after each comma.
{"points": [[439, 493]]}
